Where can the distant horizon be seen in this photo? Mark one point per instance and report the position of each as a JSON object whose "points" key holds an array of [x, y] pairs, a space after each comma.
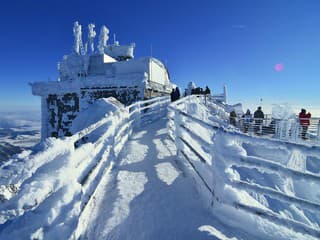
{"points": [[259, 49], [267, 108]]}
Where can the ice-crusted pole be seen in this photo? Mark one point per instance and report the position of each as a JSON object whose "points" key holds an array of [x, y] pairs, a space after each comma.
{"points": [[77, 33], [91, 35], [103, 38]]}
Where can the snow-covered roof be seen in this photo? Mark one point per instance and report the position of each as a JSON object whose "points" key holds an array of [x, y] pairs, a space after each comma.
{"points": [[120, 52], [101, 70], [113, 65], [60, 87]]}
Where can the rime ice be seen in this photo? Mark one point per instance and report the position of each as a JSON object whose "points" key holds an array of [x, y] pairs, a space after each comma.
{"points": [[86, 75]]}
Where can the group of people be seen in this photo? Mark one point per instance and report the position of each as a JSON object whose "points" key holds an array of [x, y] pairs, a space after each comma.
{"points": [[200, 91], [175, 94], [247, 118], [258, 116]]}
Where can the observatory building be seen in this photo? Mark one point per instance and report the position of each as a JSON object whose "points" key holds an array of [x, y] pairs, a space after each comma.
{"points": [[88, 74]]}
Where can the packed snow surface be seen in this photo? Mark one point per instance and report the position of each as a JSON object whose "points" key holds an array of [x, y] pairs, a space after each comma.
{"points": [[110, 188], [149, 197]]}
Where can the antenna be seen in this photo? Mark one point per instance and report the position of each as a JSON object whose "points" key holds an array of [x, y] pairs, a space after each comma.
{"points": [[114, 39], [151, 49]]}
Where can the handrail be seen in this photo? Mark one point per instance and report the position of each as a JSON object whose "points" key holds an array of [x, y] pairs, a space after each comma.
{"points": [[296, 130], [274, 166], [198, 173], [253, 162], [148, 101], [155, 101], [89, 168], [77, 136], [194, 118], [276, 194], [278, 219]]}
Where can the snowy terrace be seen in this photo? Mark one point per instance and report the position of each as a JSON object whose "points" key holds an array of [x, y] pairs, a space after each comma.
{"points": [[156, 170], [284, 129]]}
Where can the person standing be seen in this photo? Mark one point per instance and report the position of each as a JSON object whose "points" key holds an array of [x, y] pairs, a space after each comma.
{"points": [[258, 119], [304, 119], [207, 90], [172, 95], [247, 119], [233, 118], [176, 94]]}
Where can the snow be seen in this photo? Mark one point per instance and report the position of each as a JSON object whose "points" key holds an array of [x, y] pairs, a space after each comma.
{"points": [[166, 172], [130, 185], [230, 145], [103, 39], [123, 186], [212, 231], [91, 36], [101, 74], [236, 107], [77, 33], [99, 109], [190, 86], [283, 111], [116, 51], [157, 200]]}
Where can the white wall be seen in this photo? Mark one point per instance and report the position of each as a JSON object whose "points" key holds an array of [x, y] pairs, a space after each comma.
{"points": [[158, 73]]}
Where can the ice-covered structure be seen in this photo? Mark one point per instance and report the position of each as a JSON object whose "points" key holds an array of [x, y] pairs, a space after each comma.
{"points": [[85, 77], [190, 87]]}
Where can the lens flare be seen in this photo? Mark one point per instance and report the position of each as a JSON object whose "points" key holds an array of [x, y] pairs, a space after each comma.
{"points": [[278, 67]]}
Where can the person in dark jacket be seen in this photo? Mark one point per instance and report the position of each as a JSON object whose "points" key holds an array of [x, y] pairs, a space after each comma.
{"points": [[304, 119], [258, 119], [233, 118], [172, 95], [207, 90], [176, 94], [196, 91]]}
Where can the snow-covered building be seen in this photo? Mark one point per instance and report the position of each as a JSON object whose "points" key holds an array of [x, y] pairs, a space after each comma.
{"points": [[111, 71]]}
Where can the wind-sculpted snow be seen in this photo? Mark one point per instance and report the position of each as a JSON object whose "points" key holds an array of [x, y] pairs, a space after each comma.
{"points": [[53, 183], [51, 186], [260, 177], [136, 174], [151, 198]]}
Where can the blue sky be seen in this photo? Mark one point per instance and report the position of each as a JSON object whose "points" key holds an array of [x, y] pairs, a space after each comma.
{"points": [[210, 42]]}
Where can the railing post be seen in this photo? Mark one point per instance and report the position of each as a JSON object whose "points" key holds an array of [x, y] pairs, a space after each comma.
{"points": [[138, 117], [318, 133], [159, 105], [177, 131]]}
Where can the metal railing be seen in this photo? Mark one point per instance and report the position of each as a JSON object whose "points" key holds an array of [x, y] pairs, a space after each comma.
{"points": [[292, 130], [212, 171], [89, 155]]}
